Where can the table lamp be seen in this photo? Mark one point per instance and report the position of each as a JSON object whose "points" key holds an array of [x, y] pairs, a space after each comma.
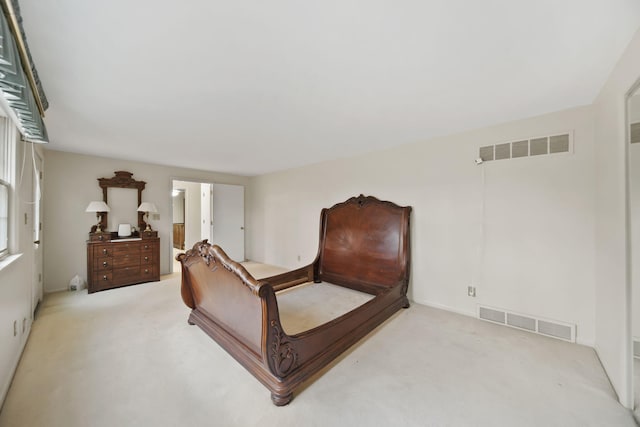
{"points": [[98, 207], [147, 207]]}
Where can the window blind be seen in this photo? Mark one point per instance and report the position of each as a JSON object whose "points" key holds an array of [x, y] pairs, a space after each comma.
{"points": [[14, 83]]}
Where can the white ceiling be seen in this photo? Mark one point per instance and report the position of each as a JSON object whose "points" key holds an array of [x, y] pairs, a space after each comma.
{"points": [[251, 87]]}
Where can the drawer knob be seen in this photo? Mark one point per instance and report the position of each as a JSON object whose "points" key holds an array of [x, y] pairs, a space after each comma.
{"points": [[146, 246], [146, 258], [104, 251], [104, 263], [146, 270], [104, 277]]}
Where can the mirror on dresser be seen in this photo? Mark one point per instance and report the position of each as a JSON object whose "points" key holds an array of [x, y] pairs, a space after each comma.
{"points": [[115, 257], [126, 202], [123, 203]]}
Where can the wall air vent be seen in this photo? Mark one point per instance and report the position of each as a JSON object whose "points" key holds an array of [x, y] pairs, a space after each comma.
{"points": [[559, 144], [539, 146], [486, 153], [503, 151], [550, 328], [552, 144], [519, 149]]}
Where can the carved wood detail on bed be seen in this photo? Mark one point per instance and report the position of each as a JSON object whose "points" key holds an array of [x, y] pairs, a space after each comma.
{"points": [[364, 245]]}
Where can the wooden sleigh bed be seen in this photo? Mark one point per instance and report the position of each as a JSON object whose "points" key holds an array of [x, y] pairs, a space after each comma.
{"points": [[364, 245]]}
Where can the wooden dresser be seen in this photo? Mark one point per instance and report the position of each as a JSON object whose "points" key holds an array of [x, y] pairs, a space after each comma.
{"points": [[113, 262]]}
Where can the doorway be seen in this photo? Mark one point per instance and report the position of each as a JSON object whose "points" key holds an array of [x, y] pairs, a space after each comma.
{"points": [[212, 211], [177, 199]]}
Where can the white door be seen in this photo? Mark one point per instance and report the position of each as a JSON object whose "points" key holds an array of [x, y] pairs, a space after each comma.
{"points": [[37, 284], [228, 219], [205, 211]]}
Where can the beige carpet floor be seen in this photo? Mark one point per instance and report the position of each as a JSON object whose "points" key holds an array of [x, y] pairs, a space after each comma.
{"points": [[127, 357]]}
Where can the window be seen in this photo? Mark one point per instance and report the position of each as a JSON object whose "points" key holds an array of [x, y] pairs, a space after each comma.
{"points": [[6, 158]]}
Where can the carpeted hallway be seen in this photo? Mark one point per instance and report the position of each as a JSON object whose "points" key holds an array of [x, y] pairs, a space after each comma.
{"points": [[127, 357]]}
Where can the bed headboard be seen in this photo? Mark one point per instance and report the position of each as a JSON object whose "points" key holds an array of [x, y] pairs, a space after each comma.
{"points": [[364, 244]]}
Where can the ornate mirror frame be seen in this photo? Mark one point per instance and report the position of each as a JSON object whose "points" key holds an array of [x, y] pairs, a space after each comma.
{"points": [[121, 179]]}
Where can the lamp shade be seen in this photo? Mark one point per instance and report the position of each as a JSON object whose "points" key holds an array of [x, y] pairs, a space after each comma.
{"points": [[147, 207], [97, 207]]}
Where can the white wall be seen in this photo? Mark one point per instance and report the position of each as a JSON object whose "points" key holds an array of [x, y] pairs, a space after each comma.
{"points": [[613, 290], [71, 183], [634, 206], [538, 239], [16, 277]]}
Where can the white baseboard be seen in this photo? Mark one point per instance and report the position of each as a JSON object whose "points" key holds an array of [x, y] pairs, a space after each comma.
{"points": [[51, 291], [447, 308], [589, 343]]}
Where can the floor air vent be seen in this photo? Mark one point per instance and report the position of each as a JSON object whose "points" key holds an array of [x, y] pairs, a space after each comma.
{"points": [[550, 328], [521, 322], [491, 314]]}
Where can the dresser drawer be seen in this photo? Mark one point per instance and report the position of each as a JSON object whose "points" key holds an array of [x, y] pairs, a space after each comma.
{"points": [[126, 260], [103, 264], [126, 274], [147, 246], [101, 257], [99, 237], [103, 280], [149, 273], [147, 258], [126, 248], [102, 251]]}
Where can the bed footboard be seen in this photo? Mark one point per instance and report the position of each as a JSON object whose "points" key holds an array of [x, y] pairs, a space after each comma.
{"points": [[223, 296]]}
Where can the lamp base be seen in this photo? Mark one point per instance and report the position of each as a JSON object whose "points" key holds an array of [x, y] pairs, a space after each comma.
{"points": [[99, 224], [147, 222]]}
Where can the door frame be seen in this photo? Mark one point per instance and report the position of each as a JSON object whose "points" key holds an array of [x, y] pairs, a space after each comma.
{"points": [[172, 179]]}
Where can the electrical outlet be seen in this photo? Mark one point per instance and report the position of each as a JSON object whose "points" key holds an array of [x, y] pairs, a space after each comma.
{"points": [[298, 257], [15, 328], [24, 324], [471, 291]]}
